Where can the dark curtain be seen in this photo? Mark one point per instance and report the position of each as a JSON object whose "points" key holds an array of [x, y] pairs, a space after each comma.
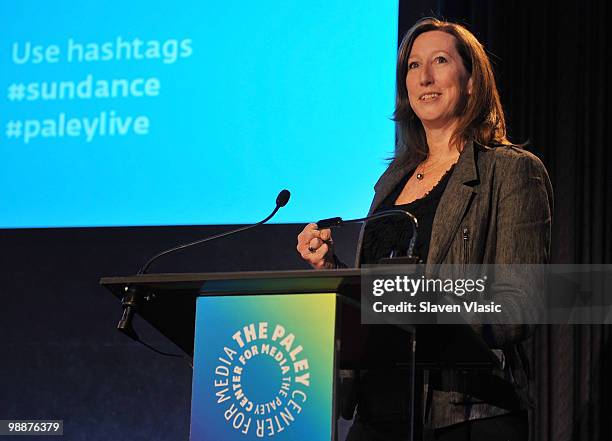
{"points": [[552, 64]]}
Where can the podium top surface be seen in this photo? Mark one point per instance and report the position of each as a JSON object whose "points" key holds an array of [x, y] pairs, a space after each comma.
{"points": [[245, 282]]}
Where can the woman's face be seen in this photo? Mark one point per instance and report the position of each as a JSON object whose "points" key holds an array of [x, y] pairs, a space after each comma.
{"points": [[436, 79]]}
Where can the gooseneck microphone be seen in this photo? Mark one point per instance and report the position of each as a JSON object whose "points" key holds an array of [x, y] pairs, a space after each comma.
{"points": [[132, 297], [335, 222], [281, 201]]}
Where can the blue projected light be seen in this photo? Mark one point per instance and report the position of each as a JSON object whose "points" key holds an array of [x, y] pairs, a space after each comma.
{"points": [[123, 113]]}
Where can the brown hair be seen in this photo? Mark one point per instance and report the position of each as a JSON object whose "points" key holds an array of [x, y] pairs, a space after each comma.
{"points": [[481, 117]]}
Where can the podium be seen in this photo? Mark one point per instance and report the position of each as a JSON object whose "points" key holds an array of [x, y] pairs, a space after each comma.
{"points": [[268, 347]]}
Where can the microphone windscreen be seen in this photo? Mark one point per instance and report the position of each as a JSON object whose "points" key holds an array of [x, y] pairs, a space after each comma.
{"points": [[283, 198]]}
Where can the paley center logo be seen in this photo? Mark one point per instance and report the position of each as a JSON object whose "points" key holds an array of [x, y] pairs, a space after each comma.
{"points": [[262, 379]]}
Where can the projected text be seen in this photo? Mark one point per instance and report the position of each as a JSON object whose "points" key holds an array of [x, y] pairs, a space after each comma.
{"points": [[91, 86]]}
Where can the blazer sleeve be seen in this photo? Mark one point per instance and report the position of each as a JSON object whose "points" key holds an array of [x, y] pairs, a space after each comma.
{"points": [[523, 224]]}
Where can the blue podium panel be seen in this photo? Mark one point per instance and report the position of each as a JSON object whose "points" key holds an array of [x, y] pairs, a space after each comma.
{"points": [[264, 368]]}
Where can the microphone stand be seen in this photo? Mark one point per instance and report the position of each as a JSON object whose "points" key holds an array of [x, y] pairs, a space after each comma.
{"points": [[335, 222], [133, 297]]}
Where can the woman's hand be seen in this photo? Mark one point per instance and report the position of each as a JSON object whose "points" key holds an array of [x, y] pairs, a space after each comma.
{"points": [[316, 247]]}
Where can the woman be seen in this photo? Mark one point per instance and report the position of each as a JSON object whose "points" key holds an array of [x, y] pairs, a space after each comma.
{"points": [[478, 200]]}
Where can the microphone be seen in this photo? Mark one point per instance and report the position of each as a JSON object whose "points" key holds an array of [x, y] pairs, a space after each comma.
{"points": [[335, 222], [132, 296], [281, 201]]}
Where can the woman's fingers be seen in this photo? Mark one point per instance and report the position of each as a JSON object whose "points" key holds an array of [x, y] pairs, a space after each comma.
{"points": [[304, 237], [314, 245], [308, 233], [325, 235], [317, 259]]}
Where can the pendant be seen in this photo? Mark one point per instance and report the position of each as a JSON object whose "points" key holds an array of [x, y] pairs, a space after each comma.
{"points": [[419, 176]]}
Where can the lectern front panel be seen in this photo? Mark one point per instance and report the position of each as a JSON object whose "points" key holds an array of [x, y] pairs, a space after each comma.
{"points": [[264, 367]]}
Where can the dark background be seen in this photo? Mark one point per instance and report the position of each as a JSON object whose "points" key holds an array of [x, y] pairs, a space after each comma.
{"points": [[62, 358]]}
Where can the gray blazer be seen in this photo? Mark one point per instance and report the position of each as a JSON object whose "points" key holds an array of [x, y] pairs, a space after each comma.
{"points": [[496, 209]]}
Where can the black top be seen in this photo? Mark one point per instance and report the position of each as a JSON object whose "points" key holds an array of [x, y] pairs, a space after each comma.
{"points": [[393, 233]]}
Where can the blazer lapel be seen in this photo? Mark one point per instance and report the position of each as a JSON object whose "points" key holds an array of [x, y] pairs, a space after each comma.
{"points": [[385, 185], [451, 208], [453, 205], [388, 181]]}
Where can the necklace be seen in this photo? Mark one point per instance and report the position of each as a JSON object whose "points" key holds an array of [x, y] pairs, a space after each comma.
{"points": [[421, 175]]}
